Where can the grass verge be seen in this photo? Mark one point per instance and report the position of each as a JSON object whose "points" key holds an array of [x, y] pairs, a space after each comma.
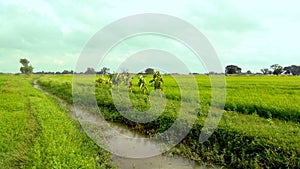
{"points": [[35, 132]]}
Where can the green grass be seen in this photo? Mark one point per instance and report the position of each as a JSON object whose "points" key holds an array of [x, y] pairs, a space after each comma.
{"points": [[259, 129], [17, 125], [35, 132], [268, 96]]}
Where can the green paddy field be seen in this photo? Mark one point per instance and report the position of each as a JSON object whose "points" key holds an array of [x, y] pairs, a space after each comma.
{"points": [[259, 127]]}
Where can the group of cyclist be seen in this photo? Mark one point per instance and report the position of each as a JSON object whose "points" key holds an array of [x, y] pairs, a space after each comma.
{"points": [[117, 79]]}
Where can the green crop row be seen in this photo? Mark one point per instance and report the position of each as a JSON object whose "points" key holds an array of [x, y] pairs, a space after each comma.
{"points": [[266, 96], [241, 140], [35, 132]]}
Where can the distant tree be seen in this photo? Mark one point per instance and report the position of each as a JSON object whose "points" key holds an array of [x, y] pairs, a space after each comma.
{"points": [[293, 69], [24, 62], [233, 69], [42, 72], [51, 72], [67, 72], [287, 70], [249, 72], [277, 69], [149, 71], [266, 71], [26, 68], [104, 71], [90, 70]]}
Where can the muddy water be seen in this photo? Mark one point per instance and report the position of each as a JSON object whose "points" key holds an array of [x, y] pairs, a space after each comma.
{"points": [[134, 143], [159, 161]]}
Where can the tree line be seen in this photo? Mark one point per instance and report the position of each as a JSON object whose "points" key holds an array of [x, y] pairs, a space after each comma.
{"points": [[274, 69], [89, 70]]}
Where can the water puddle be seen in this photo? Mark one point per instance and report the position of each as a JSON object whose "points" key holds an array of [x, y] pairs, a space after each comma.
{"points": [[135, 144]]}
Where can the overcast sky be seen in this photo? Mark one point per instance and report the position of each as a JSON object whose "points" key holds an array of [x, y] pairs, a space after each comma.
{"points": [[251, 34]]}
